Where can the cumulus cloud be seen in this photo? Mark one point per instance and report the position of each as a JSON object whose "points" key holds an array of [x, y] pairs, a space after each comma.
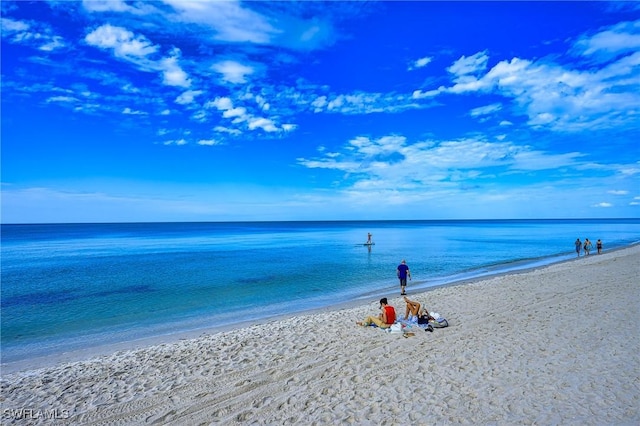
{"points": [[230, 21], [420, 63], [140, 51], [11, 26], [123, 43], [38, 36], [178, 142], [392, 161], [558, 97], [208, 142], [468, 66], [188, 97], [172, 73], [232, 71], [129, 111], [240, 115], [604, 45], [106, 6], [227, 130], [263, 123], [553, 96], [360, 103]]}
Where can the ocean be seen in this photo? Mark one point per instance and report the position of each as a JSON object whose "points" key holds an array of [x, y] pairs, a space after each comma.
{"points": [[73, 286]]}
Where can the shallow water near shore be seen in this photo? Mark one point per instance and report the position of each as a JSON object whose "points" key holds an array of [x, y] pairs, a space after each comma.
{"points": [[67, 287]]}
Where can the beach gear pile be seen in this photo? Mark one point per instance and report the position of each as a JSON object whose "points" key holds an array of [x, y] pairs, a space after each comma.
{"points": [[415, 323]]}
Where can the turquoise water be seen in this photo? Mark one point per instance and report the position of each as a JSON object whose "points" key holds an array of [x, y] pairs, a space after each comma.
{"points": [[72, 286]]}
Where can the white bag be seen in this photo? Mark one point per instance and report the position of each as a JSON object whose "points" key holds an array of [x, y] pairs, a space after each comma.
{"points": [[396, 328]]}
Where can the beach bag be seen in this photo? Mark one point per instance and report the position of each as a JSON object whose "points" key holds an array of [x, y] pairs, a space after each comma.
{"points": [[438, 321], [423, 319], [396, 328]]}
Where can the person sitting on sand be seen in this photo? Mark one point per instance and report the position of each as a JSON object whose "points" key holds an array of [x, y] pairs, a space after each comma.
{"points": [[386, 317], [412, 308]]}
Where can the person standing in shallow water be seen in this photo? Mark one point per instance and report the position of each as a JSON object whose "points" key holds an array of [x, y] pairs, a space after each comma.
{"points": [[587, 247], [599, 245], [403, 272], [578, 246]]}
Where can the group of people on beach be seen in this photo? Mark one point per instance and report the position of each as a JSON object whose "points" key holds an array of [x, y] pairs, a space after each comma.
{"points": [[587, 246], [413, 309], [388, 317]]}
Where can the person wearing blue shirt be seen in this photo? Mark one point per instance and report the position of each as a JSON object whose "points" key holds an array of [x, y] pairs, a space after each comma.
{"points": [[403, 272]]}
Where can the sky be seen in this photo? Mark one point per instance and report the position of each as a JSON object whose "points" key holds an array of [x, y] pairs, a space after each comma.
{"points": [[175, 110]]}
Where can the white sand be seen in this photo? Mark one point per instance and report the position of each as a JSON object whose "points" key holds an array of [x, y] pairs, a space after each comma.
{"points": [[556, 345]]}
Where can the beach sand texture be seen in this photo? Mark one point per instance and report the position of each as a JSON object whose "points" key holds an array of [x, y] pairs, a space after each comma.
{"points": [[555, 345]]}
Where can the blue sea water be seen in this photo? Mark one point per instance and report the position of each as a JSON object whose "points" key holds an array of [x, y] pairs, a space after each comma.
{"points": [[71, 286]]}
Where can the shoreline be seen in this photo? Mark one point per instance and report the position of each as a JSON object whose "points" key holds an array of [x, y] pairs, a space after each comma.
{"points": [[93, 351], [551, 345]]}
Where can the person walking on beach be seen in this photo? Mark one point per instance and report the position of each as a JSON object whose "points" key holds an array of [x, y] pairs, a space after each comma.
{"points": [[578, 246], [385, 319], [587, 247], [599, 246], [403, 272]]}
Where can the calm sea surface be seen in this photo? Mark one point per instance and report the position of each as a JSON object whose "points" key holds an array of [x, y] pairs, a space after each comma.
{"points": [[66, 287]]}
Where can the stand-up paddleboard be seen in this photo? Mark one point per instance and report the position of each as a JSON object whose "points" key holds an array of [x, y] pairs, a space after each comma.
{"points": [[369, 244]]}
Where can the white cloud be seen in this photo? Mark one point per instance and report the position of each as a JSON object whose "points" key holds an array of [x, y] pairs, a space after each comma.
{"points": [[361, 103], [222, 129], [64, 99], [237, 113], [232, 71], [172, 73], [420, 63], [222, 103], [38, 36], [187, 97], [621, 38], [208, 142], [485, 110], [263, 123], [618, 192], [199, 116], [391, 162], [603, 205], [465, 67], [553, 96], [106, 6], [137, 49], [122, 42], [418, 94], [178, 142], [10, 26], [230, 21], [129, 111]]}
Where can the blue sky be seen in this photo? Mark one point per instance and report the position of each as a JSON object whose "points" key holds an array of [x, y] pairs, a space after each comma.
{"points": [[223, 110]]}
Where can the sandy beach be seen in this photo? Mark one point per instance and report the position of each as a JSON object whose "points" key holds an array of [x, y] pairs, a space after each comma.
{"points": [[554, 345]]}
